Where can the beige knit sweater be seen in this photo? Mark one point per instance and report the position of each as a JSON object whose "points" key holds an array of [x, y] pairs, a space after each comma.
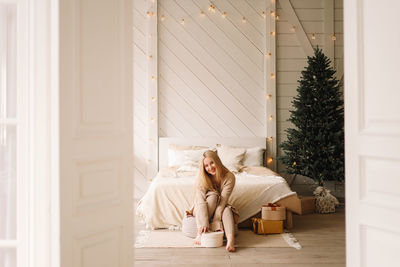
{"points": [[200, 204]]}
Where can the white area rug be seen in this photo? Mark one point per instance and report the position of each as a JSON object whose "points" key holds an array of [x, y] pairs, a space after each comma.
{"points": [[245, 238]]}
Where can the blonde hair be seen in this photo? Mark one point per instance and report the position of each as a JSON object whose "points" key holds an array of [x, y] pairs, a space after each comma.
{"points": [[204, 181]]}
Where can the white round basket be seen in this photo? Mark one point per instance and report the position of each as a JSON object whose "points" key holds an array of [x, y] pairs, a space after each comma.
{"points": [[189, 226], [212, 239]]}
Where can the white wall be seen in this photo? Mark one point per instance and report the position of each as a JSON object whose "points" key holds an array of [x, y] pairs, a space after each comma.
{"points": [[211, 69]]}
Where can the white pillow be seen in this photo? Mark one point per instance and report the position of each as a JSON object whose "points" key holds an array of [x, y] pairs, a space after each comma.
{"points": [[191, 160], [254, 156], [231, 157], [175, 157]]}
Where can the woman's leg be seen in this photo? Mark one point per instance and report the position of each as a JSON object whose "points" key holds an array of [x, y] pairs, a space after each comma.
{"points": [[212, 201], [229, 227]]}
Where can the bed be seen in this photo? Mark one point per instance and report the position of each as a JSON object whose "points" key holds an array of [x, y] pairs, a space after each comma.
{"points": [[171, 191]]}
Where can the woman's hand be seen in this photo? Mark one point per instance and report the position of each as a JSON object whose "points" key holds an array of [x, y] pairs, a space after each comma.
{"points": [[203, 229]]}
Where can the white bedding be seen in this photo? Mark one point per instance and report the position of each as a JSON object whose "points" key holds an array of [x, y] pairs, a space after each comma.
{"points": [[167, 198]]}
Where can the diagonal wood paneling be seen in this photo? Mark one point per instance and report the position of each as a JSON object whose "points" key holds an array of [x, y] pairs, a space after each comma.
{"points": [[216, 66]]}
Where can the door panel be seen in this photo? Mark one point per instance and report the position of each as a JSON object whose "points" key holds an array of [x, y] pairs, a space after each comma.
{"points": [[96, 133], [372, 132]]}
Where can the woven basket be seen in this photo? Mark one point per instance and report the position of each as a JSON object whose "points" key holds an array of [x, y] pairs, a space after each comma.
{"points": [[189, 226], [212, 239]]}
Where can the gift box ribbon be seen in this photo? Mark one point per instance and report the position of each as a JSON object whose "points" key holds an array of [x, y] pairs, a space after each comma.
{"points": [[272, 206], [256, 222]]}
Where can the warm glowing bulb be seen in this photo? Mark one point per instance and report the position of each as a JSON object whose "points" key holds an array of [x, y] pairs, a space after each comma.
{"points": [[153, 99], [313, 36], [153, 77], [150, 56], [269, 160], [294, 163], [224, 15], [152, 119], [269, 96], [150, 140], [268, 55], [202, 13], [263, 14], [270, 117], [148, 161], [148, 14], [293, 28], [270, 138], [182, 21], [150, 35], [333, 37], [277, 17], [153, 14], [244, 19], [210, 7], [272, 75], [272, 13], [162, 17], [272, 33]]}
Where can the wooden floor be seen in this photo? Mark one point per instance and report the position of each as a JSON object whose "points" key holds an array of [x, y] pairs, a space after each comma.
{"points": [[321, 235]]}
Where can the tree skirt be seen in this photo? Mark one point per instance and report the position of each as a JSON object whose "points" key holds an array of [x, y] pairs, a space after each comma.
{"points": [[245, 238]]}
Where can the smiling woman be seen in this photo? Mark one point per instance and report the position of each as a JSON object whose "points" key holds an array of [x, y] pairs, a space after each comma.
{"points": [[213, 188]]}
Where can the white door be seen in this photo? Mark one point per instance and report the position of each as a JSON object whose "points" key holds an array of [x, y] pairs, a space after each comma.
{"points": [[96, 133], [372, 115]]}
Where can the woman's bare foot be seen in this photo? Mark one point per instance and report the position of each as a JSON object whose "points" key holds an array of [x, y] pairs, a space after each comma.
{"points": [[230, 245], [197, 240]]}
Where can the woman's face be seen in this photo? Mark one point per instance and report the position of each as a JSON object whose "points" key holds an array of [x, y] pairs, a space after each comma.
{"points": [[209, 166]]}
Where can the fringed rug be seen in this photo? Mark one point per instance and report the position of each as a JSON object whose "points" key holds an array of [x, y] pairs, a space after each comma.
{"points": [[245, 238]]}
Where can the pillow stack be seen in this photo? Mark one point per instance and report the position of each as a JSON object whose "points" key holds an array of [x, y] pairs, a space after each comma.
{"points": [[235, 158]]}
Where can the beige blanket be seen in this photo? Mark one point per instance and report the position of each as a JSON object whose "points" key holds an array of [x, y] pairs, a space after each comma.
{"points": [[169, 195]]}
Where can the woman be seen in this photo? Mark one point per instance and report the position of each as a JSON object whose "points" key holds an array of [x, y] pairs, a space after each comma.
{"points": [[213, 189]]}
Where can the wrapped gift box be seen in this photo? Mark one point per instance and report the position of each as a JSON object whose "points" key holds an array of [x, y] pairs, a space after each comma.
{"points": [[262, 227], [273, 212], [307, 204]]}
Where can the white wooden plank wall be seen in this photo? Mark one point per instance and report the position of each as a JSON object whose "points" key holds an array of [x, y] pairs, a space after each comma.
{"points": [[211, 68], [291, 58]]}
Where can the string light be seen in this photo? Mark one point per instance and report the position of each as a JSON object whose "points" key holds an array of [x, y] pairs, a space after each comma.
{"points": [[269, 138], [269, 160], [294, 163], [272, 13], [269, 96], [268, 55], [150, 140], [313, 36], [244, 20], [152, 119], [333, 37], [272, 33], [270, 117], [202, 13], [153, 99], [162, 17], [148, 14], [148, 162], [263, 14], [277, 17], [223, 14], [293, 28], [272, 75], [150, 35], [150, 56], [153, 77], [211, 8], [182, 21], [153, 14]]}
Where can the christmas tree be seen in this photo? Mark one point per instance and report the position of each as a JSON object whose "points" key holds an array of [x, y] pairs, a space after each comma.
{"points": [[315, 147]]}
